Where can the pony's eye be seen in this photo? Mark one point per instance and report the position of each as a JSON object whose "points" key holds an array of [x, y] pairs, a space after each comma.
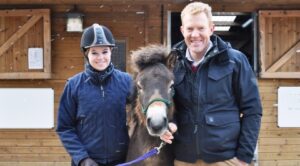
{"points": [[138, 85], [171, 84], [171, 88]]}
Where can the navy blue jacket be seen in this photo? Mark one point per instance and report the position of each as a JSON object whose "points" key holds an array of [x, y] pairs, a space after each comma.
{"points": [[92, 115], [209, 104]]}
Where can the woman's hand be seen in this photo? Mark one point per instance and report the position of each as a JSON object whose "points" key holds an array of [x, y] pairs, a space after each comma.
{"points": [[88, 162]]}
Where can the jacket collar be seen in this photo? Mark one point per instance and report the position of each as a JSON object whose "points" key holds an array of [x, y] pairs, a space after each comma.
{"points": [[96, 76], [218, 47]]}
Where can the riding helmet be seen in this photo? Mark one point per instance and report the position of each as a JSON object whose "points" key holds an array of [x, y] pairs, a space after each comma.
{"points": [[96, 35]]}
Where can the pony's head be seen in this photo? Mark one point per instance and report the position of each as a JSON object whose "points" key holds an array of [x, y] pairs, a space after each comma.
{"points": [[154, 82]]}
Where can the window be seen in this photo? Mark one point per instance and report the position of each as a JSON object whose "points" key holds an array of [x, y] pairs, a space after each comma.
{"points": [[119, 55]]}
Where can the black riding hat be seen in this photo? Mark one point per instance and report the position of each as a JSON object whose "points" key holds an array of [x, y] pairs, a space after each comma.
{"points": [[96, 35]]}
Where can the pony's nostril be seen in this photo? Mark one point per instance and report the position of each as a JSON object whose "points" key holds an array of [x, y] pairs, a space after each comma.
{"points": [[165, 122], [149, 121], [155, 125], [156, 128]]}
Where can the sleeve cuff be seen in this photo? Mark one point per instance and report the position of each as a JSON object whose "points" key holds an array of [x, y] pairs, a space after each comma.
{"points": [[244, 157]]}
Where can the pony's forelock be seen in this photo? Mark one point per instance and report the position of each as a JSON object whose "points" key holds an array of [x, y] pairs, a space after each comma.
{"points": [[147, 56]]}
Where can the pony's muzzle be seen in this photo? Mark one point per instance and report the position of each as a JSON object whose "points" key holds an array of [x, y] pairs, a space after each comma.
{"points": [[157, 125], [156, 119]]}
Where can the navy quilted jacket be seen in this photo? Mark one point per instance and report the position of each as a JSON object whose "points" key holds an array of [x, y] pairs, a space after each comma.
{"points": [[92, 116]]}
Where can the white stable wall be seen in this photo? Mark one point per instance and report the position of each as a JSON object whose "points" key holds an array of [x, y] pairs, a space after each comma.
{"points": [[26, 108]]}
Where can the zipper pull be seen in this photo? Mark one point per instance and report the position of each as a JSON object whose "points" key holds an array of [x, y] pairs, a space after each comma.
{"points": [[195, 129], [102, 90], [82, 117]]}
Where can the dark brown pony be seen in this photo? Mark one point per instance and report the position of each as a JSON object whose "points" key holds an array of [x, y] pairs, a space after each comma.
{"points": [[154, 108]]}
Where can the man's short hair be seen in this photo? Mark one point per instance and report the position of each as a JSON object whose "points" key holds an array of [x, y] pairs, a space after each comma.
{"points": [[196, 8]]}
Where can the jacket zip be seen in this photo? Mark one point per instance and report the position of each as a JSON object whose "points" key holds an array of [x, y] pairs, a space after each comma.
{"points": [[105, 140], [198, 124], [196, 132], [102, 90]]}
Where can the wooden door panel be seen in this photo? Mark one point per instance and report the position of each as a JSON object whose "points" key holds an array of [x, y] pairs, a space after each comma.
{"points": [[279, 44], [20, 30]]}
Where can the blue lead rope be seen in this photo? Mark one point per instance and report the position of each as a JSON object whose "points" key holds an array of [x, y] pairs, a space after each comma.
{"points": [[145, 156], [151, 153]]}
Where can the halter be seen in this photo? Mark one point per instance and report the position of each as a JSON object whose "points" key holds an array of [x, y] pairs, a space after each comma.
{"points": [[167, 102]]}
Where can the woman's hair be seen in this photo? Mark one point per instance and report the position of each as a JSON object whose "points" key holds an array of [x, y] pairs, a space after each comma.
{"points": [[196, 8]]}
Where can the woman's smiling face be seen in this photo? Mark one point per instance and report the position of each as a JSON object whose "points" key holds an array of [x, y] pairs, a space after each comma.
{"points": [[99, 57]]}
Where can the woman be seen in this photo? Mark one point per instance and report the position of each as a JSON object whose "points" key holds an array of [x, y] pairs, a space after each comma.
{"points": [[92, 116]]}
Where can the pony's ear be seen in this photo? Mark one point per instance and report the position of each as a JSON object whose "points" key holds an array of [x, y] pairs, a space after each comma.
{"points": [[171, 59]]}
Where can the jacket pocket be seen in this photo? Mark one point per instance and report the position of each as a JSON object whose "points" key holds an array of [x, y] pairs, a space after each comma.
{"points": [[218, 72], [86, 128], [221, 118], [221, 131], [219, 83], [118, 140]]}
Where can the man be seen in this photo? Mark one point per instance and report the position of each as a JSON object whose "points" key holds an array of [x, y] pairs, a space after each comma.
{"points": [[218, 108]]}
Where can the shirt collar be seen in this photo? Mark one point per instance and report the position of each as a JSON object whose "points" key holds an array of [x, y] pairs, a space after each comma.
{"points": [[190, 58]]}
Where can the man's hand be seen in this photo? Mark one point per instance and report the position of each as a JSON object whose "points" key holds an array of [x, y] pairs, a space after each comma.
{"points": [[168, 135], [242, 163], [88, 162]]}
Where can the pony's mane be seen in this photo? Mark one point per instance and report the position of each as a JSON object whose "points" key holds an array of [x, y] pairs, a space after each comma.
{"points": [[139, 115], [148, 56]]}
